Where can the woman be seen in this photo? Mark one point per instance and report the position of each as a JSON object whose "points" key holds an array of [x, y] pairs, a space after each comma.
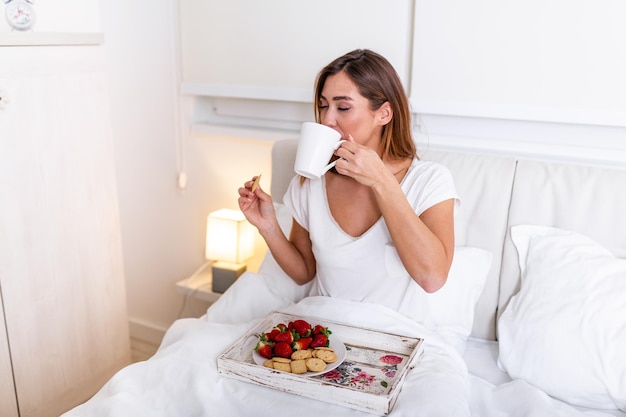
{"points": [[382, 220]]}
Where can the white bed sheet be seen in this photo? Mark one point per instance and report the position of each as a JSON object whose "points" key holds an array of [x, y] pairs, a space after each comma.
{"points": [[494, 394], [181, 378]]}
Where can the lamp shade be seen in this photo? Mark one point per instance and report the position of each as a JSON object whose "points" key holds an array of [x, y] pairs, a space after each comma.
{"points": [[229, 236]]}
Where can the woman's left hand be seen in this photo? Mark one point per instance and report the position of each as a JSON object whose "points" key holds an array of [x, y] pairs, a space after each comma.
{"points": [[360, 162]]}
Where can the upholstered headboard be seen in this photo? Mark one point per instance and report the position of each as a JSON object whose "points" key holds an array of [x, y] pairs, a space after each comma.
{"points": [[583, 199], [499, 192], [283, 158], [484, 186]]}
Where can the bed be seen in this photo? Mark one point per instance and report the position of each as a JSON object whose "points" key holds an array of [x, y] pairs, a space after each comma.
{"points": [[532, 321]]}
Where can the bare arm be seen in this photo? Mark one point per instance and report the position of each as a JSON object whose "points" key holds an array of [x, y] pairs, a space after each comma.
{"points": [[294, 255], [424, 243]]}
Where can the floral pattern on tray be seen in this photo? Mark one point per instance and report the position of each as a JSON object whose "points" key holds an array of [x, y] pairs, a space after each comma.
{"points": [[368, 370]]}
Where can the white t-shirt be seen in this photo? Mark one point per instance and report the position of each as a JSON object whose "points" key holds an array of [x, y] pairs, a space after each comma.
{"points": [[365, 268]]}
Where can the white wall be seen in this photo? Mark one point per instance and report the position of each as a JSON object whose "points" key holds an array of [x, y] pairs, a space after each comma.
{"points": [[275, 48], [533, 79], [160, 241], [163, 226], [155, 239], [556, 61]]}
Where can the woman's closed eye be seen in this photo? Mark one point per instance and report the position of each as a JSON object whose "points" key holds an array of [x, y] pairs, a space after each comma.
{"points": [[326, 106]]}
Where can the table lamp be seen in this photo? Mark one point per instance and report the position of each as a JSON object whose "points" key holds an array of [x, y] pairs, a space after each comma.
{"points": [[229, 242]]}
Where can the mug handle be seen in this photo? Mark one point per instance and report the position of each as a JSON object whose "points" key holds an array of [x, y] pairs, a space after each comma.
{"points": [[332, 164], [339, 144]]}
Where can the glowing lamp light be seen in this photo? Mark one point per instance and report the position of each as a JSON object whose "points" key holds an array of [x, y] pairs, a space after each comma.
{"points": [[229, 242]]}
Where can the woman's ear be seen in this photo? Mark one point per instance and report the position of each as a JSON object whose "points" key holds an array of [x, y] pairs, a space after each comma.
{"points": [[385, 113]]}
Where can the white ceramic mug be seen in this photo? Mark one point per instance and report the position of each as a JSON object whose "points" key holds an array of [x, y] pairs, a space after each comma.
{"points": [[315, 148]]}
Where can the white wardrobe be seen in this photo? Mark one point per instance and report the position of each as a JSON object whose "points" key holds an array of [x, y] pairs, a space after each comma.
{"points": [[63, 321]]}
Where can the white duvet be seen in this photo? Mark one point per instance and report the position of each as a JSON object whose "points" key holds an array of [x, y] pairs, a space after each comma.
{"points": [[181, 379]]}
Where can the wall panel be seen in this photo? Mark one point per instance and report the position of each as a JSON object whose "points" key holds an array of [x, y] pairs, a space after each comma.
{"points": [[273, 49], [8, 405], [556, 61]]}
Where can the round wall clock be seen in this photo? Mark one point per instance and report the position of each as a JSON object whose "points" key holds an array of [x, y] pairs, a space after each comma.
{"points": [[20, 14]]}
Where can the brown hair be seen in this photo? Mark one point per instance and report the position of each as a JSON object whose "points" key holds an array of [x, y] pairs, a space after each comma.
{"points": [[378, 82]]}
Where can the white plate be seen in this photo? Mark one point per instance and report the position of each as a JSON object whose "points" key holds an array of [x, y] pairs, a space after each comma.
{"points": [[335, 344]]}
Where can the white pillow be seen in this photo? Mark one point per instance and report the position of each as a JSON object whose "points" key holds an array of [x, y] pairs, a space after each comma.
{"points": [[452, 307], [450, 310], [565, 331]]}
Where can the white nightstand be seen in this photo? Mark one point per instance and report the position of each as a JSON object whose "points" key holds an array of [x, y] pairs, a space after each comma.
{"points": [[198, 286]]}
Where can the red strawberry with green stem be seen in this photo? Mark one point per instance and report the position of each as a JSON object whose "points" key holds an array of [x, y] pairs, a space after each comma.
{"points": [[302, 343], [302, 327], [285, 336], [319, 340], [281, 327], [264, 349], [283, 349], [319, 329], [271, 336]]}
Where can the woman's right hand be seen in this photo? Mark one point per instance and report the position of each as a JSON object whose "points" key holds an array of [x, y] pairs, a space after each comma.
{"points": [[257, 206]]}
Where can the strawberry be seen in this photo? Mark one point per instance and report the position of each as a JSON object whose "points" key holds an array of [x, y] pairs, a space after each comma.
{"points": [[302, 343], [281, 327], [264, 349], [282, 340], [271, 336], [302, 327], [286, 336], [319, 329], [283, 349], [319, 340]]}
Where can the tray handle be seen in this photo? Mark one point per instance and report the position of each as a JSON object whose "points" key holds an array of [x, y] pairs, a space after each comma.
{"points": [[245, 340]]}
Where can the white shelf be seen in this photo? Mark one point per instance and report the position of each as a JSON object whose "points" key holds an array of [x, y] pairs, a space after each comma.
{"points": [[520, 112], [250, 92], [50, 39], [199, 286], [212, 130]]}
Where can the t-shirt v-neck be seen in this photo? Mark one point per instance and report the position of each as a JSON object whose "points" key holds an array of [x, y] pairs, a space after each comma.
{"points": [[336, 223], [367, 267]]}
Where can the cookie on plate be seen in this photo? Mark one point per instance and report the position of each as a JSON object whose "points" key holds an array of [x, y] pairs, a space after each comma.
{"points": [[301, 354], [327, 356], [298, 366], [315, 364], [282, 366]]}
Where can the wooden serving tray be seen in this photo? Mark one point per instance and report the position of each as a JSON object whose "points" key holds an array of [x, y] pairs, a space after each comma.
{"points": [[369, 379]]}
